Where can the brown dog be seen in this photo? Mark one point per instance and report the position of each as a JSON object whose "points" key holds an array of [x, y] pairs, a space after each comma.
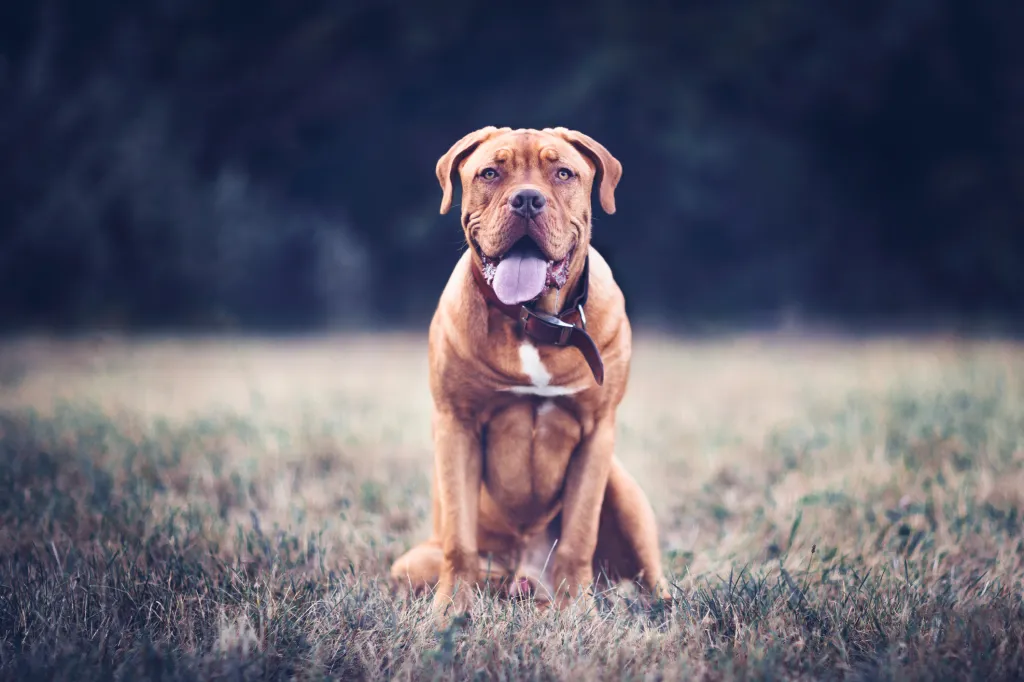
{"points": [[526, 488]]}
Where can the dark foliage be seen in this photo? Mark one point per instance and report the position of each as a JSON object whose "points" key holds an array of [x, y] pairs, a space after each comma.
{"points": [[271, 164]]}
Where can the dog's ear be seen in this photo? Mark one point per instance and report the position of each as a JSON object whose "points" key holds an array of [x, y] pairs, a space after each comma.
{"points": [[608, 168], [448, 165]]}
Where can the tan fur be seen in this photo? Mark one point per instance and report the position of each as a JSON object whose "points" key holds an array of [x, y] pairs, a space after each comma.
{"points": [[516, 473]]}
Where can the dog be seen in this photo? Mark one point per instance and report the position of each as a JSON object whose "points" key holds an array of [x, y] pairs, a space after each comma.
{"points": [[529, 351]]}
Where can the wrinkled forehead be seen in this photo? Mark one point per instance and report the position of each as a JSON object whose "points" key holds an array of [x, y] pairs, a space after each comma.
{"points": [[526, 149]]}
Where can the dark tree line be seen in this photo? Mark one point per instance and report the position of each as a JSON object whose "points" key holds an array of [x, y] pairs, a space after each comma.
{"points": [[271, 164]]}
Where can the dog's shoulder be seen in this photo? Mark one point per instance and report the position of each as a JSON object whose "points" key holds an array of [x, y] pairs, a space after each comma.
{"points": [[460, 306], [604, 290], [460, 318]]}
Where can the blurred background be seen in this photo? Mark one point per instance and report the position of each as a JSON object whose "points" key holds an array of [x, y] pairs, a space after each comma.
{"points": [[269, 166]]}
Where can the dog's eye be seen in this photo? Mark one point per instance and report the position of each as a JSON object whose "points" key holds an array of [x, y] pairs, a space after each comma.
{"points": [[488, 174], [564, 174]]}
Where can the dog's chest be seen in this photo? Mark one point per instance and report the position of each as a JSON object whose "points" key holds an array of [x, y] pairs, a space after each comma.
{"points": [[528, 445], [543, 380]]}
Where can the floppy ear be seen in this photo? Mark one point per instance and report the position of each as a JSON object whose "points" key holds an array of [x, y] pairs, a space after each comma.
{"points": [[609, 170], [448, 165]]}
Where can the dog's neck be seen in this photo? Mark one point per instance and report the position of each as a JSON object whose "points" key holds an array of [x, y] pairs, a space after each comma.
{"points": [[565, 328]]}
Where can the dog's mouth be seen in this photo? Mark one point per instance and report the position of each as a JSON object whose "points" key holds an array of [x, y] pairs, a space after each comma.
{"points": [[523, 272]]}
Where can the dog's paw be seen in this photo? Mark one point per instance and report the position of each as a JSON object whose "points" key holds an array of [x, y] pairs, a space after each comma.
{"points": [[452, 603], [582, 605], [659, 593]]}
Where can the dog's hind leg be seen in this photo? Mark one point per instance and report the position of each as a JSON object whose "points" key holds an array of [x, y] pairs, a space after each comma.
{"points": [[627, 541], [419, 569]]}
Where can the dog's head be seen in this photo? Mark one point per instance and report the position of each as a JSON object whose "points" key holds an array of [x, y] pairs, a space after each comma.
{"points": [[526, 203]]}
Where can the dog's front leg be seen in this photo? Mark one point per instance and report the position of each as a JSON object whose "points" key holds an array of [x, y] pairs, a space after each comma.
{"points": [[586, 480], [458, 461]]}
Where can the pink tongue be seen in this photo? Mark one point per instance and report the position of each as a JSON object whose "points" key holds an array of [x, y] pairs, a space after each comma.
{"points": [[521, 274]]}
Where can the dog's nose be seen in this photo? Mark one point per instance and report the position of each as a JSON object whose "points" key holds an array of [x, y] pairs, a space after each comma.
{"points": [[527, 202]]}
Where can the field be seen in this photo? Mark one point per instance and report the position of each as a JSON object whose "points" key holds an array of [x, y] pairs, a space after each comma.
{"points": [[181, 509]]}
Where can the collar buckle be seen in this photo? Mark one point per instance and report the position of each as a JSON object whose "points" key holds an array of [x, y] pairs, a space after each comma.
{"points": [[583, 318]]}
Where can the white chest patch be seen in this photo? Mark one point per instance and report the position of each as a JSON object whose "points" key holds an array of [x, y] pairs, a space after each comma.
{"points": [[540, 378]]}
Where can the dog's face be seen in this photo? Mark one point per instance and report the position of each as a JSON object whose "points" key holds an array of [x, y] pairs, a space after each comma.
{"points": [[526, 200]]}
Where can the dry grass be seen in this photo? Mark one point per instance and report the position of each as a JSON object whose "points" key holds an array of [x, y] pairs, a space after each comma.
{"points": [[183, 509]]}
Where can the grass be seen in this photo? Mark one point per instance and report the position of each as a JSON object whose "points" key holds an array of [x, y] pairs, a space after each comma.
{"points": [[181, 509]]}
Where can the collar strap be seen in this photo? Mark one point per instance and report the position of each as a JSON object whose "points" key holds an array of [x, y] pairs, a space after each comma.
{"points": [[553, 330]]}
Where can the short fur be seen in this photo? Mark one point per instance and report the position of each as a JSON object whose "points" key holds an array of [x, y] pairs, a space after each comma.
{"points": [[526, 488]]}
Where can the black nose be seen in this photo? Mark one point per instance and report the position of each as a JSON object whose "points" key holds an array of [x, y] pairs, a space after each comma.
{"points": [[527, 202]]}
